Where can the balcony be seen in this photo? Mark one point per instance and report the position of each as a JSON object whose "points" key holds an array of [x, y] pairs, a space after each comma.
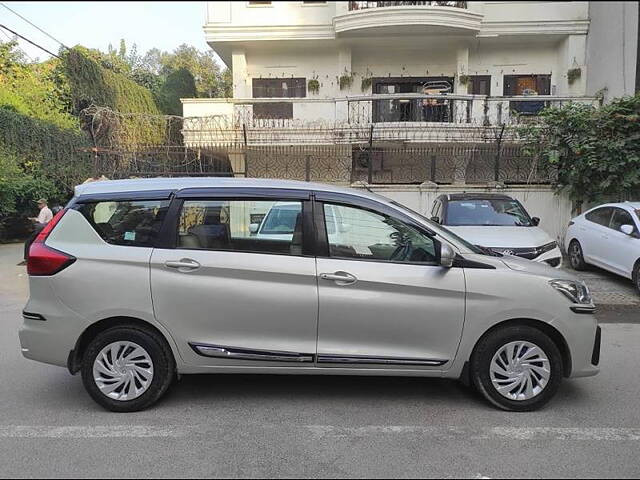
{"points": [[365, 5], [420, 17], [410, 117]]}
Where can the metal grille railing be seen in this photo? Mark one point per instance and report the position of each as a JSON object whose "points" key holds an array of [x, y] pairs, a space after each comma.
{"points": [[365, 5]]}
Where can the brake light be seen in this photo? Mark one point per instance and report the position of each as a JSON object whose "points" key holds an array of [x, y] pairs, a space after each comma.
{"points": [[44, 260]]}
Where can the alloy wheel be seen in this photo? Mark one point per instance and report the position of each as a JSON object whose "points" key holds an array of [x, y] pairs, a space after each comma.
{"points": [[575, 255], [123, 370], [520, 370]]}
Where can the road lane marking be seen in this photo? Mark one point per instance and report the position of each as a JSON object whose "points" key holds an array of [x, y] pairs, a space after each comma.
{"points": [[80, 431], [491, 433], [330, 431]]}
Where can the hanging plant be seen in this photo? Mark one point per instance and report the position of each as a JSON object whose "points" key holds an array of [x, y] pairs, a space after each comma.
{"points": [[313, 86], [345, 81], [463, 79], [366, 83], [574, 74]]}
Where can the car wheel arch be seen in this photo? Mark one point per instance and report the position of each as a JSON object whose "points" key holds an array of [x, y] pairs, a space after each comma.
{"points": [[546, 328], [74, 361]]}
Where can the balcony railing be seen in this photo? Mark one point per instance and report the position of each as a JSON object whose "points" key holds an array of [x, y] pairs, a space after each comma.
{"points": [[409, 117], [366, 5]]}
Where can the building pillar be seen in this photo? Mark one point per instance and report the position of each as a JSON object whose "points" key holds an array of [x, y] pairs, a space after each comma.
{"points": [[572, 56], [462, 68], [241, 85], [238, 163]]}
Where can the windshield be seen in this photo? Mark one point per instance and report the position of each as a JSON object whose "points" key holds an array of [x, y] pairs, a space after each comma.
{"points": [[469, 246], [280, 221], [487, 212]]}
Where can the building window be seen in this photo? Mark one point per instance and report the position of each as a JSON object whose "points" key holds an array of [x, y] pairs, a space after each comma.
{"points": [[277, 88], [527, 85], [479, 85], [412, 109]]}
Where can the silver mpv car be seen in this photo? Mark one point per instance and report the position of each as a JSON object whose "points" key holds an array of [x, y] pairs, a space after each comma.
{"points": [[138, 281]]}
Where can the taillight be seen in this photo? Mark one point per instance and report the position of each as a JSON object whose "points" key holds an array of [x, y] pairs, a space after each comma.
{"points": [[44, 260]]}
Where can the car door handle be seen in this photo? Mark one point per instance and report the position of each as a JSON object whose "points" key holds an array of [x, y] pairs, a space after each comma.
{"points": [[186, 264], [341, 278]]}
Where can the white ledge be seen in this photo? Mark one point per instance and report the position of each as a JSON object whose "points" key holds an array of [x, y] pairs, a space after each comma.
{"points": [[450, 18]]}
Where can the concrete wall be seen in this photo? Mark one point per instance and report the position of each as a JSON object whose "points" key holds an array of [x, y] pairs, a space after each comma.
{"points": [[554, 210], [612, 46]]}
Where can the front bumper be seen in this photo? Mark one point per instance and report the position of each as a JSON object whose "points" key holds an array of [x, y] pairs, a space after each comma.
{"points": [[583, 337]]}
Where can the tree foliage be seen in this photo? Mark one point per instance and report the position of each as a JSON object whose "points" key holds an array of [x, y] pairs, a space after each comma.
{"points": [[596, 150], [92, 83]]}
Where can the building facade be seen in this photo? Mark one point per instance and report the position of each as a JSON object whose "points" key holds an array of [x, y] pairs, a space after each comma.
{"points": [[411, 96]]}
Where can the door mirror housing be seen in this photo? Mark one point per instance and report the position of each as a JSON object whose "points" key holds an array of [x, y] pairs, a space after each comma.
{"points": [[535, 221], [253, 228], [435, 219], [447, 255], [627, 229]]}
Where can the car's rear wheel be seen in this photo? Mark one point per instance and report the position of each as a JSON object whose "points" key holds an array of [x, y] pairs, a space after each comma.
{"points": [[636, 276], [517, 368], [126, 369], [576, 258]]}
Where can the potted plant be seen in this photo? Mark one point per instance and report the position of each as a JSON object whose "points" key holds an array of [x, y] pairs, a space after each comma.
{"points": [[574, 74], [313, 86], [346, 80]]}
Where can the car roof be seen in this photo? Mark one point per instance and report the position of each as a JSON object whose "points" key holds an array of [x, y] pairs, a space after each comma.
{"points": [[476, 196], [625, 205], [179, 183]]}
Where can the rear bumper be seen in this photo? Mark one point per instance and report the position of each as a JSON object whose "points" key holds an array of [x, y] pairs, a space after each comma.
{"points": [[49, 329]]}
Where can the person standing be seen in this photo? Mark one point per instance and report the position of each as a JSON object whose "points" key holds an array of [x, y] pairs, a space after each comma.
{"points": [[40, 221]]}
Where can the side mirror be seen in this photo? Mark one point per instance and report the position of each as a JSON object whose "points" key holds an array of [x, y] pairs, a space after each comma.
{"points": [[253, 228], [535, 221], [627, 229], [435, 219], [447, 255]]}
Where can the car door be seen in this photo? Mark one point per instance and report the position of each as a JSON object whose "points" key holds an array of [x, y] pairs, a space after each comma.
{"points": [[622, 250], [594, 235], [384, 299], [229, 296]]}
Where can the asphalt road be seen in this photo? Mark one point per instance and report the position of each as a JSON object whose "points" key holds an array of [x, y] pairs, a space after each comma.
{"points": [[280, 426]]}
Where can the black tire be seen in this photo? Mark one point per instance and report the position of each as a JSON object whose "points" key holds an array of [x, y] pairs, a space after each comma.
{"points": [[576, 257], [489, 345], [161, 356], [636, 276]]}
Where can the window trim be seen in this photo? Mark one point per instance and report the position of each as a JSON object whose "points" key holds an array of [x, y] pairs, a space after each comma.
{"points": [[169, 232], [323, 238]]}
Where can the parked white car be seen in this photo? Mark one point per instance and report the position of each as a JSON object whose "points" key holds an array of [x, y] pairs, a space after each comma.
{"points": [[498, 222], [607, 236]]}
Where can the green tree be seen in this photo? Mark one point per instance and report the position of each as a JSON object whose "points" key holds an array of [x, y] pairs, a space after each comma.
{"points": [[179, 84], [596, 150]]}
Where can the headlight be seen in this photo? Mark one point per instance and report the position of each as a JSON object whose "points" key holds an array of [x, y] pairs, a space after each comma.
{"points": [[577, 292], [546, 248]]}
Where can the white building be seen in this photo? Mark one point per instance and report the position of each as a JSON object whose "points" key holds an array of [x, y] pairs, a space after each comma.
{"points": [[392, 92], [485, 48]]}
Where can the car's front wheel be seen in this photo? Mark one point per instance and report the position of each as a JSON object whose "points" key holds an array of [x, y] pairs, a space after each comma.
{"points": [[126, 369], [636, 276], [517, 368]]}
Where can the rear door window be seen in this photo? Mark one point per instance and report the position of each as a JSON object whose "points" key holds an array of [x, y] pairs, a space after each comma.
{"points": [[601, 216], [133, 223], [220, 224]]}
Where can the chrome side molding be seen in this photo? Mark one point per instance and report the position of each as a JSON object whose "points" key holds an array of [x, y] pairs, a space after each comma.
{"points": [[235, 353], [365, 360]]}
